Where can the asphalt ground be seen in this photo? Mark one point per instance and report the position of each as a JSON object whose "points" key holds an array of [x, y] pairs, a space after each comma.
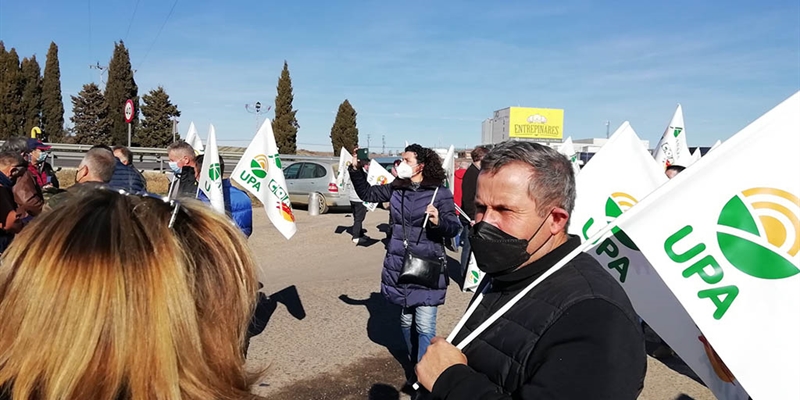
{"points": [[329, 334]]}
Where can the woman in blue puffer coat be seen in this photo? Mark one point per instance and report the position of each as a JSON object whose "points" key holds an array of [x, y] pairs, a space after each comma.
{"points": [[409, 196]]}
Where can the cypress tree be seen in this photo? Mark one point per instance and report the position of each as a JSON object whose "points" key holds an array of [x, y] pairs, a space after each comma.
{"points": [[11, 85], [157, 110], [90, 116], [52, 103], [285, 123], [31, 94], [344, 132], [120, 87]]}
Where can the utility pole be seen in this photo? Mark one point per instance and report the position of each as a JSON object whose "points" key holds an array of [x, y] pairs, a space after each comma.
{"points": [[100, 68], [256, 109], [383, 142], [368, 135], [607, 125]]}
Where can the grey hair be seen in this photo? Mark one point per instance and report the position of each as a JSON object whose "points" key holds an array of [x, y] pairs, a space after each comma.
{"points": [[552, 180], [16, 144], [101, 163], [182, 148]]}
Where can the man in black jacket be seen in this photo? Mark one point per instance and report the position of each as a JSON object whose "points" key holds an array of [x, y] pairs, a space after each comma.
{"points": [[183, 163], [575, 334], [468, 184]]}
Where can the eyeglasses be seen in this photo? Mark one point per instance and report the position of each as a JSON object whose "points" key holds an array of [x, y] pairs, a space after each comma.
{"points": [[172, 203]]}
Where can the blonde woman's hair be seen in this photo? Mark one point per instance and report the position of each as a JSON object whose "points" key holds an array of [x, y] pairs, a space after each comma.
{"points": [[100, 299]]}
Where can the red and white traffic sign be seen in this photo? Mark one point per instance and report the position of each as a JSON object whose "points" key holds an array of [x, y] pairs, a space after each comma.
{"points": [[129, 111]]}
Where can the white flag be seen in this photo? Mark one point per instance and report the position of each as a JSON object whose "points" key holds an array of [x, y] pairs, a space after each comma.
{"points": [[345, 159], [449, 166], [716, 144], [259, 171], [194, 139], [568, 150], [616, 178], [474, 275], [695, 156], [725, 238], [673, 149], [406, 145], [377, 175], [211, 175]]}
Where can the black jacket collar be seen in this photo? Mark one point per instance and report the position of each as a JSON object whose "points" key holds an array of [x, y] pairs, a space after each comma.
{"points": [[524, 276]]}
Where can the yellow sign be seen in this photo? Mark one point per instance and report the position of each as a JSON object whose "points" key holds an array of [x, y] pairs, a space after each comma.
{"points": [[536, 123], [35, 132]]}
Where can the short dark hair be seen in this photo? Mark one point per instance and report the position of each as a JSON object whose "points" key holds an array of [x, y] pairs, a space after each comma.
{"points": [[127, 154], [677, 168], [552, 180], [478, 153], [102, 146]]}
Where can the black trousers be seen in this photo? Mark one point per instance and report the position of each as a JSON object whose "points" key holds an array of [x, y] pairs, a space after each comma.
{"points": [[359, 213]]}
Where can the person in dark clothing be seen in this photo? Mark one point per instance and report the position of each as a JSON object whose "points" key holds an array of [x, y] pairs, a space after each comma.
{"points": [[411, 197], [27, 192], [183, 163], [359, 211], [12, 165], [468, 184], [126, 176], [41, 169], [573, 336]]}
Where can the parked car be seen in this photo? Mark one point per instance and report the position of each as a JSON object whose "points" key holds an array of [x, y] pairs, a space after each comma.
{"points": [[306, 177]]}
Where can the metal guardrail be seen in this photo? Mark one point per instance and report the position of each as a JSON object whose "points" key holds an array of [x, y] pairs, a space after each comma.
{"points": [[153, 155]]}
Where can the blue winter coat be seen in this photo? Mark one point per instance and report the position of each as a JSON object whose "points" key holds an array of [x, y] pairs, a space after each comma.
{"points": [[237, 205], [407, 206], [128, 178]]}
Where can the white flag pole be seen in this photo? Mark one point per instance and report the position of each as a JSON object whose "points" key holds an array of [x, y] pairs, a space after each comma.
{"points": [[460, 211], [424, 223]]}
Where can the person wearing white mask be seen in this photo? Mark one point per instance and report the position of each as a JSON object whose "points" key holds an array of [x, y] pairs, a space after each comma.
{"points": [[183, 163], [423, 217]]}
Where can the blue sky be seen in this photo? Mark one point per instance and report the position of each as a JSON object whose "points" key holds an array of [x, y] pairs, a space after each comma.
{"points": [[431, 71]]}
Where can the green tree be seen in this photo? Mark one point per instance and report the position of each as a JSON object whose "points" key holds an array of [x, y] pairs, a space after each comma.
{"points": [[120, 87], [52, 102], [285, 123], [11, 85], [157, 110], [344, 132], [90, 116], [31, 94]]}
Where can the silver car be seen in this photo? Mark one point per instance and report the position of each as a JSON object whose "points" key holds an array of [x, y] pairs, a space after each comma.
{"points": [[306, 177]]}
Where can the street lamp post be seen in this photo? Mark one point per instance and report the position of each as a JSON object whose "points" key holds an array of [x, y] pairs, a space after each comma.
{"points": [[256, 109]]}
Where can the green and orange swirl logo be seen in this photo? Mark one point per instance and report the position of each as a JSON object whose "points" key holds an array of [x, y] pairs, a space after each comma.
{"points": [[759, 232]]}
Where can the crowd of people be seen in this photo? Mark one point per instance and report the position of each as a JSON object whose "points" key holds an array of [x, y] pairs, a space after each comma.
{"points": [[138, 296]]}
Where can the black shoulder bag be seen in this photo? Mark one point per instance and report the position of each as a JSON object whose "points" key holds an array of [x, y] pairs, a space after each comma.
{"points": [[418, 270]]}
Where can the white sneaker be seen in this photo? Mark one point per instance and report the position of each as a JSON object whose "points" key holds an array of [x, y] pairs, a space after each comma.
{"points": [[356, 240]]}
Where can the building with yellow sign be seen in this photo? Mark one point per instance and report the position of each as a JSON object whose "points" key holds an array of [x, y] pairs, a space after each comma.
{"points": [[544, 125]]}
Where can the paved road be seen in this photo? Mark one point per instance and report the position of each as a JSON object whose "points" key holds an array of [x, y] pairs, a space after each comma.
{"points": [[329, 333]]}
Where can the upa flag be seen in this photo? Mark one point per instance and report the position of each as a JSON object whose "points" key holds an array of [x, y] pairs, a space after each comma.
{"points": [[725, 238], [377, 175], [345, 159], [211, 175], [617, 177], [449, 166], [716, 144], [568, 150], [673, 149], [259, 171], [194, 139], [473, 277]]}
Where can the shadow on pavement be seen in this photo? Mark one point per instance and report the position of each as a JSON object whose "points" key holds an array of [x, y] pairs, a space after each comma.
{"points": [[383, 326], [382, 391], [267, 305]]}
